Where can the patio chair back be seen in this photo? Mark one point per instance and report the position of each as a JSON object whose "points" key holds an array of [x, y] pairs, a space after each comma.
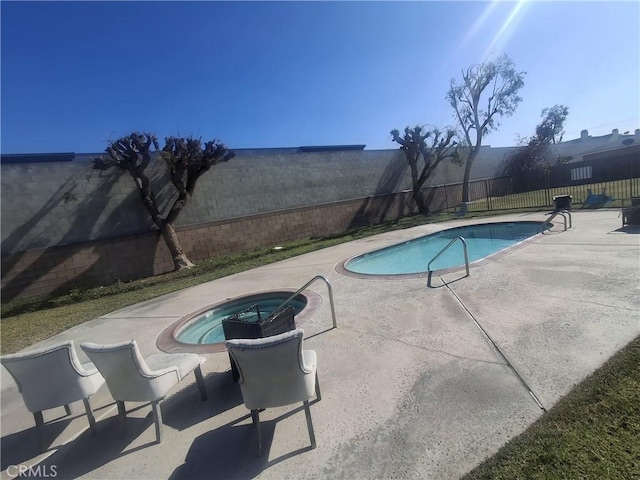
{"points": [[273, 370], [127, 374], [52, 376]]}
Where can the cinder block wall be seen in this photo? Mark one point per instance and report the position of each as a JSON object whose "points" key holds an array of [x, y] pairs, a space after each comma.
{"points": [[101, 262], [49, 204], [65, 224]]}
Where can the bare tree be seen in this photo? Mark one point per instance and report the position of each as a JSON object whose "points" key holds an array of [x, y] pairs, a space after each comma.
{"points": [[187, 159], [488, 91], [424, 150]]}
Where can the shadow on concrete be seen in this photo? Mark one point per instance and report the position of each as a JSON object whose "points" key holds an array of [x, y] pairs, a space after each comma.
{"points": [[231, 451], [20, 447], [446, 283], [223, 395], [116, 440], [87, 453], [309, 337], [627, 229]]}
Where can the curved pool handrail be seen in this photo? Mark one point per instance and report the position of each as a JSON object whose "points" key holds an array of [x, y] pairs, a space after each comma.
{"points": [[466, 257], [304, 287], [564, 214]]}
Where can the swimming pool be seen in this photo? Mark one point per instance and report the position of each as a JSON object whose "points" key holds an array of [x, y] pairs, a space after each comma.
{"points": [[412, 257]]}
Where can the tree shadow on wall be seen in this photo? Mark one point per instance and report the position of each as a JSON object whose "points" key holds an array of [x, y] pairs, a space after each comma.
{"points": [[85, 214], [437, 199], [63, 194], [374, 209]]}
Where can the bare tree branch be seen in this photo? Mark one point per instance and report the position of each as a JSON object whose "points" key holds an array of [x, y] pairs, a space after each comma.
{"points": [[186, 160], [501, 100], [428, 147]]}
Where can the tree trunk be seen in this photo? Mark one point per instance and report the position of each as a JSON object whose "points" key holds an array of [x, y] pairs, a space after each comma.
{"points": [[467, 174], [465, 182], [416, 184], [180, 260], [419, 199]]}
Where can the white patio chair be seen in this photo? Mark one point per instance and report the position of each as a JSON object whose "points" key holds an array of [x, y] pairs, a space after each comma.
{"points": [[276, 371], [131, 378], [53, 377]]}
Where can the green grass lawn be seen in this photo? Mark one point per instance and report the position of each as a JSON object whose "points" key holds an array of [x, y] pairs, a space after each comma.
{"points": [[592, 433]]}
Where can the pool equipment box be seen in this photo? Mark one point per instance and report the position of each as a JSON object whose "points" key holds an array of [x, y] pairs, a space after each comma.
{"points": [[562, 202]]}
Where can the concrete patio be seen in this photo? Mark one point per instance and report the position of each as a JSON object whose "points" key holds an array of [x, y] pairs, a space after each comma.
{"points": [[411, 386]]}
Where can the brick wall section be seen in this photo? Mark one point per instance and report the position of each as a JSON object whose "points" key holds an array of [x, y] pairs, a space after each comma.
{"points": [[46, 270], [102, 262]]}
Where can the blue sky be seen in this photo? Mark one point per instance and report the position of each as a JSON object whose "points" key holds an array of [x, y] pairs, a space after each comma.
{"points": [[284, 74]]}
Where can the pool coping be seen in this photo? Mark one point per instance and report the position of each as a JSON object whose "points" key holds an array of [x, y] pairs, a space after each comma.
{"points": [[167, 339]]}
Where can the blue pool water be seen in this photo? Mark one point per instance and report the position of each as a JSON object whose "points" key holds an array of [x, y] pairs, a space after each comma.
{"points": [[413, 256], [206, 328]]}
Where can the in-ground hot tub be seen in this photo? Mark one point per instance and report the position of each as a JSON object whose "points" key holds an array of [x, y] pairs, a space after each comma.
{"points": [[201, 331]]}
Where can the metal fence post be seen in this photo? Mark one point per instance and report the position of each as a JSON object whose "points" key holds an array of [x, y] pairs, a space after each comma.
{"points": [[630, 178], [486, 189], [446, 198]]}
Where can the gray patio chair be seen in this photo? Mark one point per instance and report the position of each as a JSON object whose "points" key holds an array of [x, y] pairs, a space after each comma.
{"points": [[276, 371], [131, 378], [53, 377]]}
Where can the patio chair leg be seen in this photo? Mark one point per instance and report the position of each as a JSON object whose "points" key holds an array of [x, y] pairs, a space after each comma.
{"points": [[307, 413], [122, 412], [39, 429], [92, 420], [255, 416], [318, 395], [201, 385], [67, 409], [157, 418]]}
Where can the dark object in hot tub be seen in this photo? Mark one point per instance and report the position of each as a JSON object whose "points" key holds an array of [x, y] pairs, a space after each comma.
{"points": [[279, 321]]}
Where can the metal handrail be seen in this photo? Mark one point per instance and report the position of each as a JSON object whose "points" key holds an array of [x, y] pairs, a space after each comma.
{"points": [[570, 220], [466, 257], [564, 214], [317, 277]]}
